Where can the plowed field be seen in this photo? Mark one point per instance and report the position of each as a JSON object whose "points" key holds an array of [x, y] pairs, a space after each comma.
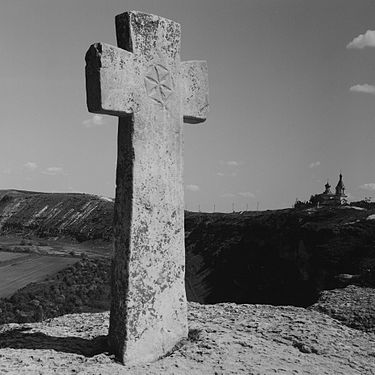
{"points": [[5, 256], [25, 270]]}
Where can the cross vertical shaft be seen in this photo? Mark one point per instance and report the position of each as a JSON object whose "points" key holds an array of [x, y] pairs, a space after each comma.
{"points": [[143, 82]]}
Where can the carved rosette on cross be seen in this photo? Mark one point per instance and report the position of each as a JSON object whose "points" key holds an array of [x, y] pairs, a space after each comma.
{"points": [[159, 84], [144, 83]]}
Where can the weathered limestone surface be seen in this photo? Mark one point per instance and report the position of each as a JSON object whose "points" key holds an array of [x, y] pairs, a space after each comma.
{"points": [[145, 84], [224, 339]]}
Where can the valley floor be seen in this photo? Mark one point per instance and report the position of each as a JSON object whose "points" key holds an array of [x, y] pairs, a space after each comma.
{"points": [[223, 339], [30, 259], [24, 269]]}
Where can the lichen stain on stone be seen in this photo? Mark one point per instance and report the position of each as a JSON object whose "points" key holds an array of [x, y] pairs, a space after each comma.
{"points": [[142, 229], [143, 310], [144, 27], [132, 102]]}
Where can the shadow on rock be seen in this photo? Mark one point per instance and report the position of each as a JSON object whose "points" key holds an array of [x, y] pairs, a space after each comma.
{"points": [[20, 338]]}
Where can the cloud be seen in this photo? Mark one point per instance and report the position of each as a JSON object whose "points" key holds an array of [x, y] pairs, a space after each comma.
{"points": [[365, 88], [221, 174], [30, 165], [363, 40], [370, 186], [192, 187], [247, 194], [95, 120], [53, 171], [314, 164], [230, 163], [228, 195]]}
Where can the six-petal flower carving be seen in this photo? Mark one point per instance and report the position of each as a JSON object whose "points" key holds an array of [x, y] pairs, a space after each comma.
{"points": [[158, 83]]}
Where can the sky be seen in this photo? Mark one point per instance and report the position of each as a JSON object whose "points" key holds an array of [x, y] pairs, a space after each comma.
{"points": [[292, 94]]}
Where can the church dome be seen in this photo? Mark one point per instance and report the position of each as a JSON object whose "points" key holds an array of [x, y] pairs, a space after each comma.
{"points": [[340, 187], [328, 188]]}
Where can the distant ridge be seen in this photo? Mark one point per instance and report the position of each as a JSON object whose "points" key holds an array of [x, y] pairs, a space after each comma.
{"points": [[10, 191], [276, 256]]}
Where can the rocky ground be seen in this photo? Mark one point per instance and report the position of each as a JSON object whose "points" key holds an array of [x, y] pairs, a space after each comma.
{"points": [[223, 339], [354, 306]]}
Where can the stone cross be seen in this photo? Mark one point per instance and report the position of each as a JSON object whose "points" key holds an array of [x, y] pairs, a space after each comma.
{"points": [[144, 83]]}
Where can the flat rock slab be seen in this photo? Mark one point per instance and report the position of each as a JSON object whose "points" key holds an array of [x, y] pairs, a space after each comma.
{"points": [[223, 339]]}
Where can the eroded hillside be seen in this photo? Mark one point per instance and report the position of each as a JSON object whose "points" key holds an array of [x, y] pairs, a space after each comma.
{"points": [[80, 216], [275, 257], [281, 256]]}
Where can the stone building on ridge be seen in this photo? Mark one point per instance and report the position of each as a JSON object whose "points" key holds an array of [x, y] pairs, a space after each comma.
{"points": [[328, 198]]}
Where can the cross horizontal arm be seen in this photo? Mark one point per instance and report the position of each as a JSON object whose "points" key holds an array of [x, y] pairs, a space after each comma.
{"points": [[111, 84], [194, 78]]}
